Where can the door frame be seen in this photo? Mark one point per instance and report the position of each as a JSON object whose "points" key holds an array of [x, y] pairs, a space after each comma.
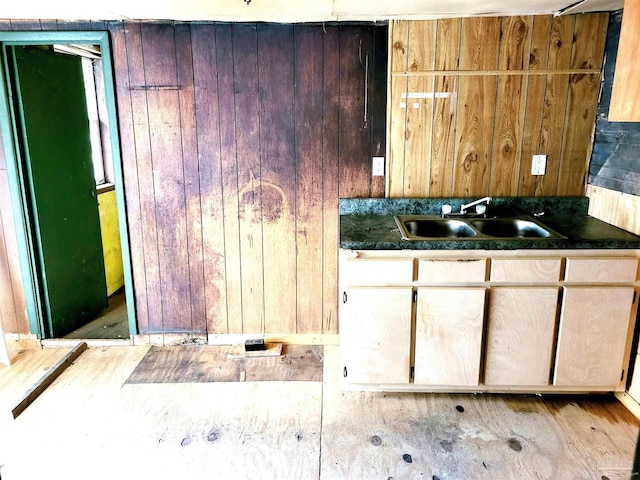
{"points": [[21, 213]]}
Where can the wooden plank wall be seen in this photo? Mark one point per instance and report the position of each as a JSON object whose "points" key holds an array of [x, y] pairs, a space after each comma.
{"points": [[473, 99], [237, 142]]}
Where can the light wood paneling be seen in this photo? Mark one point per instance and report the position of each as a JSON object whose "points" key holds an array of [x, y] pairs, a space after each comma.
{"points": [[625, 101], [592, 336], [538, 60], [582, 103], [530, 270], [594, 270], [449, 326], [508, 94], [511, 103], [519, 345], [376, 338], [616, 208]]}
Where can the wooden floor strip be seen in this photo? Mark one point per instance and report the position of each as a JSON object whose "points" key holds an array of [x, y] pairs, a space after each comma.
{"points": [[47, 379]]}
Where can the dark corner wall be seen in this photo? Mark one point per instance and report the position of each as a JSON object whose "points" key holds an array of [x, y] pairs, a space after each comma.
{"points": [[615, 161]]}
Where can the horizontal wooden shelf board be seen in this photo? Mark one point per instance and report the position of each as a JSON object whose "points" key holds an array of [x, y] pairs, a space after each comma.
{"points": [[468, 73]]}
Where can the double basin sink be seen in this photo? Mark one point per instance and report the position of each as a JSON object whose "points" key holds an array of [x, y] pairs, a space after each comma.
{"points": [[429, 227]]}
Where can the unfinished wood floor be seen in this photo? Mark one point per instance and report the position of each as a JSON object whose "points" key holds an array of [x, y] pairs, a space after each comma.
{"points": [[90, 424]]}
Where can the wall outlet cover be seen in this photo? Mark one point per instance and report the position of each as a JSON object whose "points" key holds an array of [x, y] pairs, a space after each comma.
{"points": [[377, 169], [539, 165]]}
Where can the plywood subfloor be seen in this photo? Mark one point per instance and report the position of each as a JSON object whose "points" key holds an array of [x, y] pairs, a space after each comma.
{"points": [[202, 363], [91, 424]]}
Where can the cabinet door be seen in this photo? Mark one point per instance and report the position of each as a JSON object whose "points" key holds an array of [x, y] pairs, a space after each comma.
{"points": [[449, 335], [375, 334], [594, 324], [520, 330]]}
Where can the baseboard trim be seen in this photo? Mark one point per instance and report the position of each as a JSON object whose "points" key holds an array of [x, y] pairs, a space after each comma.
{"points": [[290, 339]]}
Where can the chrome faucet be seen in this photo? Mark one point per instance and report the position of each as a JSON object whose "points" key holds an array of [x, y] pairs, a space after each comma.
{"points": [[463, 208]]}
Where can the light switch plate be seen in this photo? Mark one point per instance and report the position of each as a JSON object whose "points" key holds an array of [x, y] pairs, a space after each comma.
{"points": [[377, 169], [539, 165]]}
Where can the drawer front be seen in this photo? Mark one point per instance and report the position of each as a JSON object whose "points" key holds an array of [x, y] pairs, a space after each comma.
{"points": [[379, 271], [452, 270], [526, 270], [608, 270]]}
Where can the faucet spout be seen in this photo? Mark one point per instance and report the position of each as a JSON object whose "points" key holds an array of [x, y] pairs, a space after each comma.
{"points": [[463, 208]]}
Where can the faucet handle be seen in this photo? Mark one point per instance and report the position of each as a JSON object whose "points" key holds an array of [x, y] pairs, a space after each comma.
{"points": [[481, 209], [446, 209]]}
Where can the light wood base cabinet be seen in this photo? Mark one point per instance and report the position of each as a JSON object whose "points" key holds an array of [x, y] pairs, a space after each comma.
{"points": [[593, 333], [448, 336], [487, 321], [375, 341], [520, 334]]}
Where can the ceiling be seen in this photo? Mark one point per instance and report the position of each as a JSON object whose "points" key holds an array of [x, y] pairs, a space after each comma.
{"points": [[290, 10]]}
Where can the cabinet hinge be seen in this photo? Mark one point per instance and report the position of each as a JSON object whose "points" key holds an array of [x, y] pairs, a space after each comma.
{"points": [[635, 295], [415, 297], [622, 376], [412, 372], [344, 297], [344, 372]]}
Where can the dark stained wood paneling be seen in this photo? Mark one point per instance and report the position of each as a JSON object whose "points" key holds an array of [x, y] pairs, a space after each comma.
{"points": [[277, 88], [130, 172], [247, 116], [355, 166], [191, 166], [162, 90], [221, 55], [209, 170], [76, 25], [308, 98], [146, 190], [25, 25], [378, 104], [330, 173], [98, 25]]}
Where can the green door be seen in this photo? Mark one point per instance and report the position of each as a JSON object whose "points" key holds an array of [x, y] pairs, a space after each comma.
{"points": [[56, 151]]}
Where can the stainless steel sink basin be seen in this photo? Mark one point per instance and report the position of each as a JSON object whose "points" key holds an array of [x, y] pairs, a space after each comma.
{"points": [[442, 227], [429, 227], [510, 228]]}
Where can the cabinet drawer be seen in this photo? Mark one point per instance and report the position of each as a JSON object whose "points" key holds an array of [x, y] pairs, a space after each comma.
{"points": [[452, 270], [525, 270], [379, 271], [609, 270]]}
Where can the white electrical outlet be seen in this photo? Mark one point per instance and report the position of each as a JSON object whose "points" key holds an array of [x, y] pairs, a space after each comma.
{"points": [[378, 167], [539, 165]]}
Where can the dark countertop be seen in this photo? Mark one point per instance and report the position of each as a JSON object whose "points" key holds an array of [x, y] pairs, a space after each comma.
{"points": [[368, 224]]}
